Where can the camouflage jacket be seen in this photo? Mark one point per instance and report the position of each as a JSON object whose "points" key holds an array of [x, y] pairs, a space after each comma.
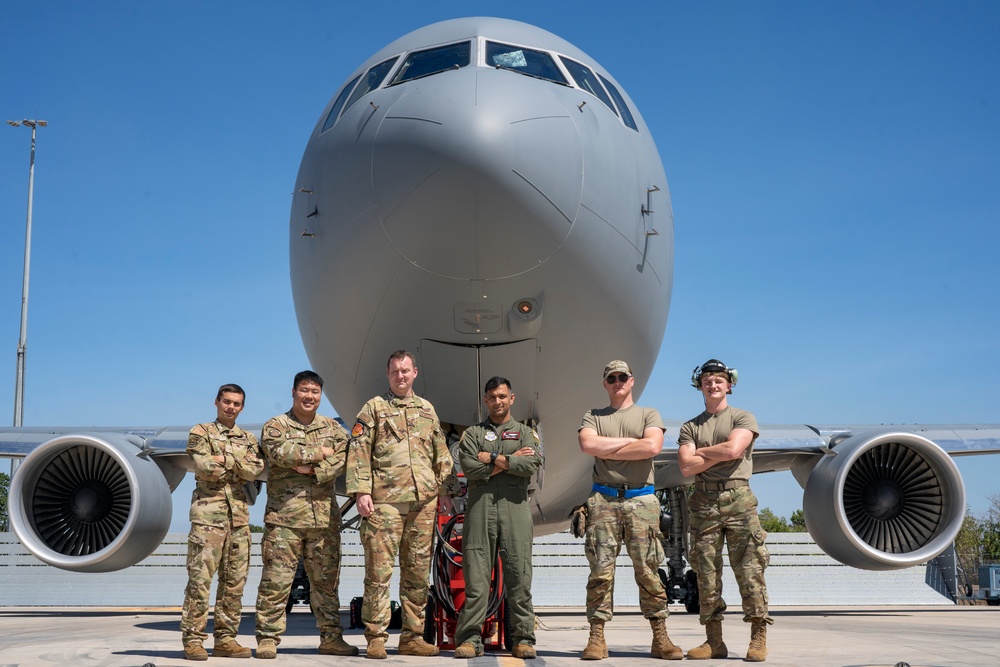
{"points": [[220, 497], [295, 500], [398, 453]]}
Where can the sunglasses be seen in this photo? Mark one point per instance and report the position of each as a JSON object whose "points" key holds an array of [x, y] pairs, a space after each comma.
{"points": [[619, 377]]}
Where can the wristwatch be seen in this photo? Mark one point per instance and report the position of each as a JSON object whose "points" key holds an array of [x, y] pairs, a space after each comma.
{"points": [[493, 457]]}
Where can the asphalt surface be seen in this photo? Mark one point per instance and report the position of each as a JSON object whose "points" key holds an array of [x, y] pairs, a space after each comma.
{"points": [[800, 636]]}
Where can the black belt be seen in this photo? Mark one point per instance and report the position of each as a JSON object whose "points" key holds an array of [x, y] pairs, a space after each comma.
{"points": [[721, 486]]}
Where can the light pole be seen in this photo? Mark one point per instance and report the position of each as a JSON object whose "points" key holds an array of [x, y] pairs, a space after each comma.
{"points": [[22, 341]]}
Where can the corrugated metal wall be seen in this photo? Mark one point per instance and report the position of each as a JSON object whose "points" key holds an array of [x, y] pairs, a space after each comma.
{"points": [[800, 574]]}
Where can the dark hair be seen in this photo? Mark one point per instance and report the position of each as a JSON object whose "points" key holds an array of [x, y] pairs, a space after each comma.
{"points": [[231, 389], [401, 354], [306, 376], [495, 382]]}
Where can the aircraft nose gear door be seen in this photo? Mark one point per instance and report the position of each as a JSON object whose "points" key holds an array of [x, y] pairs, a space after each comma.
{"points": [[452, 378]]}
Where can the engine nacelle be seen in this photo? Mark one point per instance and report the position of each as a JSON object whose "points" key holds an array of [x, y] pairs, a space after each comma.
{"points": [[90, 502], [884, 501]]}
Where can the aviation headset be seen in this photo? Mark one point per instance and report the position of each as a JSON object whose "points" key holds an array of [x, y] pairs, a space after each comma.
{"points": [[713, 366]]}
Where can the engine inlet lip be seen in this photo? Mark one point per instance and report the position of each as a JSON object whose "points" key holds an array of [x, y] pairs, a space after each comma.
{"points": [[945, 471], [21, 516]]}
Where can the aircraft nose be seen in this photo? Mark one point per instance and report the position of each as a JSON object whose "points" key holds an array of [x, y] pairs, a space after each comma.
{"points": [[477, 173]]}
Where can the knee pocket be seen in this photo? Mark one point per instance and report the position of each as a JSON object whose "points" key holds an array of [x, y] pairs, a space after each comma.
{"points": [[654, 548], [760, 552], [371, 527]]}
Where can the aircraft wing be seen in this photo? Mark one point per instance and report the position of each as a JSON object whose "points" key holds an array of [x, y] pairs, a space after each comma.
{"points": [[876, 497]]}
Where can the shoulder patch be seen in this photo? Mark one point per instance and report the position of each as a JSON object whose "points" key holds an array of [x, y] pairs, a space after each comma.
{"points": [[358, 430], [273, 432]]}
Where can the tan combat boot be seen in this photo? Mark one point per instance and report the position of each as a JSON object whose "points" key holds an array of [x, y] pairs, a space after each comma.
{"points": [[714, 647], [376, 649], [596, 649], [267, 649], [334, 644], [411, 644], [662, 646], [523, 651], [468, 650], [757, 652], [195, 651], [230, 648]]}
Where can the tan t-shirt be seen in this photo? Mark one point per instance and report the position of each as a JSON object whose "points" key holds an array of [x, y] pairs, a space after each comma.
{"points": [[630, 422], [707, 429]]}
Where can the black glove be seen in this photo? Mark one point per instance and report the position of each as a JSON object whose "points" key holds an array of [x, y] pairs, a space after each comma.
{"points": [[578, 521]]}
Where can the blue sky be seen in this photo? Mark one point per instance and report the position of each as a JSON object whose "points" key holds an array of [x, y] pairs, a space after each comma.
{"points": [[833, 167]]}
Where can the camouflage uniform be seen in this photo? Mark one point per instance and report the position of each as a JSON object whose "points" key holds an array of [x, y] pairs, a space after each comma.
{"points": [[612, 520], [220, 534], [398, 455], [723, 507], [302, 521], [497, 519]]}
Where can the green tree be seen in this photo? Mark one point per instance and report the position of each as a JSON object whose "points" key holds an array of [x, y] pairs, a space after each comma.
{"points": [[978, 540], [799, 522], [989, 526], [4, 487], [772, 523], [968, 545]]}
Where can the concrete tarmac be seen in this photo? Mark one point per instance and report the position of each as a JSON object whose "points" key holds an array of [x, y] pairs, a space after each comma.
{"points": [[800, 636]]}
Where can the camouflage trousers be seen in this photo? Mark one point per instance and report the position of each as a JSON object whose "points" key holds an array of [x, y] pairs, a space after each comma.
{"points": [[211, 549], [281, 549], [406, 529], [729, 515], [636, 522]]}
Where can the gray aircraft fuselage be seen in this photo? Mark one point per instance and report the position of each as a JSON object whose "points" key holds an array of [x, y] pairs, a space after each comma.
{"points": [[492, 221]]}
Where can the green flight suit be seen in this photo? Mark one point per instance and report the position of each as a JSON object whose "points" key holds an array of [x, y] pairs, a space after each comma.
{"points": [[497, 519]]}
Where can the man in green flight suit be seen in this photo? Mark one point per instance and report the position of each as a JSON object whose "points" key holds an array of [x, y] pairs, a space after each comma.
{"points": [[498, 456]]}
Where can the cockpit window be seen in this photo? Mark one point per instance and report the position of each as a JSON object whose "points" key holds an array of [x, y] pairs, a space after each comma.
{"points": [[373, 79], [432, 61], [534, 63], [331, 117], [587, 80], [620, 102]]}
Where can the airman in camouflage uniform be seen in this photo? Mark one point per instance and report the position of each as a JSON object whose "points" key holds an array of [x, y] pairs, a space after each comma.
{"points": [[498, 456], [717, 446], [225, 459], [623, 439], [306, 453], [397, 466]]}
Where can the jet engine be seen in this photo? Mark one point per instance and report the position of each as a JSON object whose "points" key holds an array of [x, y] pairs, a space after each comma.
{"points": [[884, 500], [90, 502]]}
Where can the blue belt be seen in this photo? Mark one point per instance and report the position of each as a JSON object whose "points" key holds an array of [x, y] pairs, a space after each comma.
{"points": [[623, 492]]}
